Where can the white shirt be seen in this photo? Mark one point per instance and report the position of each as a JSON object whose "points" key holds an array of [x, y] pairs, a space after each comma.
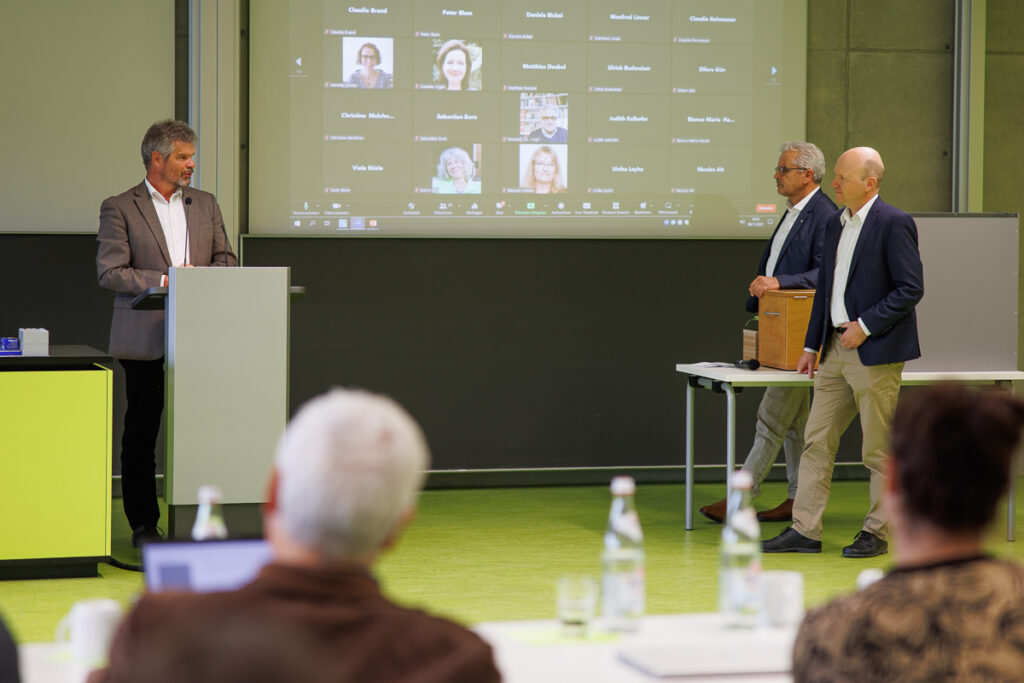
{"points": [[788, 221], [172, 219], [844, 258]]}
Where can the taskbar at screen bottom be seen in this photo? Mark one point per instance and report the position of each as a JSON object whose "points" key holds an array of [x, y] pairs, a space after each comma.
{"points": [[573, 226]]}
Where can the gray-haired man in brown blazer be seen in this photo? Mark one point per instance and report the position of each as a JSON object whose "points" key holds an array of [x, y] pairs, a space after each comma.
{"points": [[158, 224]]}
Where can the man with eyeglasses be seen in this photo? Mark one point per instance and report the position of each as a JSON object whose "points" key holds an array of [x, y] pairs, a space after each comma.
{"points": [[863, 322], [549, 130], [790, 261]]}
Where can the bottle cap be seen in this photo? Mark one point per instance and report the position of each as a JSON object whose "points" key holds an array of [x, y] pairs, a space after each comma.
{"points": [[209, 495], [742, 479], [623, 486]]}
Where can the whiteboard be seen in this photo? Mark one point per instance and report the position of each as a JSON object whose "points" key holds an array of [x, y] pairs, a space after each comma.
{"points": [[968, 318]]}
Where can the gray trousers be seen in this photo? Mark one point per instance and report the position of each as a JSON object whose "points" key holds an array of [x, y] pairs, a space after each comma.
{"points": [[781, 419]]}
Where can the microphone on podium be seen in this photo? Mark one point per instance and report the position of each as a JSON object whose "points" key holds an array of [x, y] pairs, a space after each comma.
{"points": [[752, 364], [188, 203]]}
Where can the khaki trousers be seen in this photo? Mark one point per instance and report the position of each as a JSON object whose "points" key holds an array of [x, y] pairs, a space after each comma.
{"points": [[844, 387]]}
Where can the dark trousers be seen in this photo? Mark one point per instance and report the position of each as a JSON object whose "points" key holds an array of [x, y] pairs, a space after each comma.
{"points": [[144, 391]]}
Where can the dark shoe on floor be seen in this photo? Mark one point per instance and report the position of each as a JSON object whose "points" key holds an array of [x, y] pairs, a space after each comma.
{"points": [[783, 512], [144, 533], [866, 544], [790, 541], [715, 512]]}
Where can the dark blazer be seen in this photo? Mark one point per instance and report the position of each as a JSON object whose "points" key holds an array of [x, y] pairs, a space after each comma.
{"points": [[885, 283], [797, 267], [133, 255]]}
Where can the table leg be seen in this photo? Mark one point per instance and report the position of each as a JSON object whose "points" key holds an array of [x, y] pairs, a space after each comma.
{"points": [[730, 436], [689, 456]]}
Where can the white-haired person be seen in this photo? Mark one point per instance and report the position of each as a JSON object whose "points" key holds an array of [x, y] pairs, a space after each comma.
{"points": [[549, 131], [455, 173], [347, 474]]}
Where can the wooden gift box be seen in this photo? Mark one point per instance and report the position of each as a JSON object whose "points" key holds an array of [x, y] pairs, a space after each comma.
{"points": [[783, 315]]}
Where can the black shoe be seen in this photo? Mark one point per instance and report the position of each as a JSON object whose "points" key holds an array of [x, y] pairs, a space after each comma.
{"points": [[790, 541], [144, 533], [866, 544]]}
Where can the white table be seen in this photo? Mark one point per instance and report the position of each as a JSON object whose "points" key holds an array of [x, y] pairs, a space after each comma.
{"points": [[534, 652], [49, 663], [726, 379]]}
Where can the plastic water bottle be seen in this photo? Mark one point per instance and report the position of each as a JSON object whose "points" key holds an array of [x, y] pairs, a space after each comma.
{"points": [[739, 596], [623, 591], [209, 517]]}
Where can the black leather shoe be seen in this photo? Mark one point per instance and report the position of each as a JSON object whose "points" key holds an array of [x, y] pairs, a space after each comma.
{"points": [[790, 541], [144, 533], [866, 544]]}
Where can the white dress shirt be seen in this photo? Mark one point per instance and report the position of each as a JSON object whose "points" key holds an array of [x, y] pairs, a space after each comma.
{"points": [[172, 219], [852, 225]]}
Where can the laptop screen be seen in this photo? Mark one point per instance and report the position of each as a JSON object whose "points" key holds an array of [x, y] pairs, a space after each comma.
{"points": [[203, 566]]}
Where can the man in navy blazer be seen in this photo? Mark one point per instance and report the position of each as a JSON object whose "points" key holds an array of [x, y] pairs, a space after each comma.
{"points": [[790, 261], [864, 325], [158, 224]]}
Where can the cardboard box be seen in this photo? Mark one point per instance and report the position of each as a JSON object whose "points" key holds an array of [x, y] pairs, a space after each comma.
{"points": [[783, 315]]}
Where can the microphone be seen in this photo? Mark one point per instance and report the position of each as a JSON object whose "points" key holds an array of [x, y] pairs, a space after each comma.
{"points": [[752, 364], [188, 203]]}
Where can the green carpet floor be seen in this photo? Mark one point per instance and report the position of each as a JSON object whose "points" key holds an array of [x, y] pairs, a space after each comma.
{"points": [[494, 554]]}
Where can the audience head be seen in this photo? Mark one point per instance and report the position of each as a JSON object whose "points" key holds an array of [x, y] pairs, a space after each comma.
{"points": [[454, 65], [952, 450], [348, 470], [161, 137]]}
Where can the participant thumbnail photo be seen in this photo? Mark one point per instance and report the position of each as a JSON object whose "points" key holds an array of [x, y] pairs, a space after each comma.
{"points": [[544, 117], [457, 171], [366, 61], [458, 65], [543, 168]]}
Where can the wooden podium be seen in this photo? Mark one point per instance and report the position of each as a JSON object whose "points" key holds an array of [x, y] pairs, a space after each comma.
{"points": [[783, 315]]}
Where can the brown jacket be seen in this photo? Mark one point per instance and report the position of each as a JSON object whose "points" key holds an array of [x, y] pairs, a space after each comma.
{"points": [[355, 632]]}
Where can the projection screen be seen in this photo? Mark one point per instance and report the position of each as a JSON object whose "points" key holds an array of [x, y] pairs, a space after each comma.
{"points": [[563, 118]]}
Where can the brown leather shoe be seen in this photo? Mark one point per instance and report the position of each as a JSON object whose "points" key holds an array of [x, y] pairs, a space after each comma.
{"points": [[783, 512], [715, 512]]}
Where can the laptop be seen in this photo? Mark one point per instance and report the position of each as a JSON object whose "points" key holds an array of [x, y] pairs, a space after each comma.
{"points": [[203, 566]]}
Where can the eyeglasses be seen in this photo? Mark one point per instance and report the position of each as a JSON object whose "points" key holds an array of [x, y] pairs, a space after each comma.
{"points": [[782, 170]]}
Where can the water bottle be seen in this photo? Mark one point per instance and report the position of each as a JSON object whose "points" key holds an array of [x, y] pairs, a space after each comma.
{"points": [[739, 596], [209, 517], [622, 562]]}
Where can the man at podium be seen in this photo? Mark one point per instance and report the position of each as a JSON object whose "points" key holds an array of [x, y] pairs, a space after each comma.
{"points": [[158, 224]]}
